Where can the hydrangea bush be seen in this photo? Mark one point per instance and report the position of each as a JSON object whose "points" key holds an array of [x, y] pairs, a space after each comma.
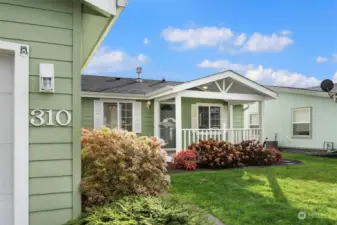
{"points": [[117, 163]]}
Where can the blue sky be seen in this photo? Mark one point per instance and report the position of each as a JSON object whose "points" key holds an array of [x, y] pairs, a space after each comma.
{"points": [[289, 43]]}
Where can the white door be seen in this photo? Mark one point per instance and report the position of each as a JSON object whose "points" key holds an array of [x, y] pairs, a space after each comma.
{"points": [[6, 138]]}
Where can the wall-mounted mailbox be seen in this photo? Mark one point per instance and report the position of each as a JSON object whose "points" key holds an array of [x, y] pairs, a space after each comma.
{"points": [[46, 77]]}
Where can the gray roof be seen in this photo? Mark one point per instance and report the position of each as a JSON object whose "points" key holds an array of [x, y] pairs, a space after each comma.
{"points": [[319, 88], [122, 85]]}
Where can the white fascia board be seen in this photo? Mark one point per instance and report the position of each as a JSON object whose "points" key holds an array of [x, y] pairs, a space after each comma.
{"points": [[223, 96], [108, 6]]}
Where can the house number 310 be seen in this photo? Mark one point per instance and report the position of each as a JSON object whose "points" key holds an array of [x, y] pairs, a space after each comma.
{"points": [[38, 117]]}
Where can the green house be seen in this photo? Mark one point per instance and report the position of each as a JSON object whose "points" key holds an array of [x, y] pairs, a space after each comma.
{"points": [[44, 44], [178, 112]]}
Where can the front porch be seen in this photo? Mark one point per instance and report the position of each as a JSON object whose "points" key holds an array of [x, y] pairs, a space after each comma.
{"points": [[211, 107]]}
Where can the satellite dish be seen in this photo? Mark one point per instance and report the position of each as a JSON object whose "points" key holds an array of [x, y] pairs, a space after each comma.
{"points": [[327, 85]]}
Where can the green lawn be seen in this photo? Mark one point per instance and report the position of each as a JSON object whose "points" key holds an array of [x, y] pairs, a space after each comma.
{"points": [[265, 196]]}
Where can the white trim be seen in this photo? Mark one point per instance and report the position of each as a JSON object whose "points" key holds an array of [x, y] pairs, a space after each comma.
{"points": [[229, 86], [209, 105], [261, 120], [218, 85], [156, 111], [102, 37], [250, 121], [224, 96], [309, 122], [178, 123], [230, 113], [21, 133], [212, 78], [118, 102]]}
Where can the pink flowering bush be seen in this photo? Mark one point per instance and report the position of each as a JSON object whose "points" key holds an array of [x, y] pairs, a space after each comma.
{"points": [[117, 163]]}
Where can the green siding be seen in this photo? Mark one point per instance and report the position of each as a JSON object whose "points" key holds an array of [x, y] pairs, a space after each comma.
{"points": [[88, 112], [52, 30], [238, 116], [147, 120], [147, 116]]}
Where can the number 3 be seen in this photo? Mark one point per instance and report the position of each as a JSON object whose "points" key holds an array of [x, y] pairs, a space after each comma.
{"points": [[38, 118]]}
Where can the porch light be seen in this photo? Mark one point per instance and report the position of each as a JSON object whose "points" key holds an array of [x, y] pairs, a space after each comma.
{"points": [[148, 104], [46, 77], [205, 87]]}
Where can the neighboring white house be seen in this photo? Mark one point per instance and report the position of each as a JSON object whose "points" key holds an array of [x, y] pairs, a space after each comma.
{"points": [[299, 119]]}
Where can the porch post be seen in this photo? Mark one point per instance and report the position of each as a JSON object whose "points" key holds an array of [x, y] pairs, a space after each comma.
{"points": [[230, 122], [156, 117], [178, 123], [261, 121]]}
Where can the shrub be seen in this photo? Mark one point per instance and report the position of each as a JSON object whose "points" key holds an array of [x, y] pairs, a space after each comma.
{"points": [[221, 154], [116, 163], [145, 210], [277, 156], [186, 160]]}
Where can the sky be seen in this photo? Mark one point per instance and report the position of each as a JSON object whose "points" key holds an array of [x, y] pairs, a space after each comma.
{"points": [[274, 42]]}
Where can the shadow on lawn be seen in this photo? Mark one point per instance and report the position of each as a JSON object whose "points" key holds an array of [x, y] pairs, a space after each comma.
{"points": [[235, 198]]}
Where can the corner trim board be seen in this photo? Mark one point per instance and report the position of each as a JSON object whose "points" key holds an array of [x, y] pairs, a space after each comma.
{"points": [[21, 132]]}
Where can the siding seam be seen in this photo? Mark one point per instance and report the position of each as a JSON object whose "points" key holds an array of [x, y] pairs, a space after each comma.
{"points": [[51, 210], [37, 42], [33, 24], [24, 6], [52, 193]]}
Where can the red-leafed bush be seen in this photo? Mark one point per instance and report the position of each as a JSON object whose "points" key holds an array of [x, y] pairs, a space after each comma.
{"points": [[186, 160], [277, 156], [220, 154]]}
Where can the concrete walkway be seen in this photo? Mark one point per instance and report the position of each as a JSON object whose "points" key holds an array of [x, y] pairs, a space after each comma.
{"points": [[216, 220]]}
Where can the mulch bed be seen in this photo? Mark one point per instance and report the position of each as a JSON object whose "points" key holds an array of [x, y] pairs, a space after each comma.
{"points": [[287, 162]]}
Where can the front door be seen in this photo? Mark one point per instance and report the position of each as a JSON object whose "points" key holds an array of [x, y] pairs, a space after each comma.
{"points": [[168, 125], [6, 138]]}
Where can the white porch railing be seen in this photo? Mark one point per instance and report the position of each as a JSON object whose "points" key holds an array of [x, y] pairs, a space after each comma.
{"points": [[232, 135]]}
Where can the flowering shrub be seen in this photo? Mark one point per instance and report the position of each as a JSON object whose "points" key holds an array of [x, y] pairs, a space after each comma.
{"points": [[117, 163], [186, 160], [221, 154]]}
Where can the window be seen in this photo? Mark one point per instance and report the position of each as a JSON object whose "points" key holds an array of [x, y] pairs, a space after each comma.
{"points": [[301, 122], [209, 117], [118, 115], [254, 120]]}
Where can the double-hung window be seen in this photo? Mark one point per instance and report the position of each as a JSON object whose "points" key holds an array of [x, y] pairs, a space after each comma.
{"points": [[301, 122], [209, 117], [254, 120], [118, 115]]}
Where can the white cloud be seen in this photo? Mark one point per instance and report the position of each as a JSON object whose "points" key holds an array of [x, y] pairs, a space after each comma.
{"points": [[264, 43], [334, 78], [224, 39], [264, 75], [321, 59], [225, 64], [285, 32], [240, 39], [111, 61], [194, 38], [146, 41]]}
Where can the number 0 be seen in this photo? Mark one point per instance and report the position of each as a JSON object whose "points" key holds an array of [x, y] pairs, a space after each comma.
{"points": [[58, 117]]}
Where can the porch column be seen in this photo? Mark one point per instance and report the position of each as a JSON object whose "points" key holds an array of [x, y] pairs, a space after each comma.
{"points": [[261, 121], [230, 116], [178, 123], [230, 122], [156, 109]]}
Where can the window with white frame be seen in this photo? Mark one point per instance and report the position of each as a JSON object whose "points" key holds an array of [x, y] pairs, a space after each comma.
{"points": [[301, 122], [254, 120], [209, 117], [118, 115]]}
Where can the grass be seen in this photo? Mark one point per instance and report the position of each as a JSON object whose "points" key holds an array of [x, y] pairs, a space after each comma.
{"points": [[264, 196]]}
